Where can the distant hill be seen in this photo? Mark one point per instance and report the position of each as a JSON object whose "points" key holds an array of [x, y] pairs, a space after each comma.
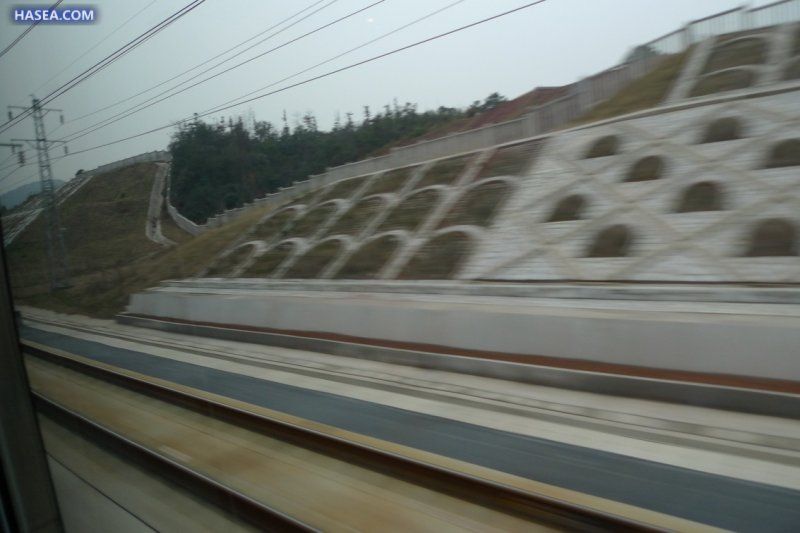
{"points": [[108, 251], [14, 197]]}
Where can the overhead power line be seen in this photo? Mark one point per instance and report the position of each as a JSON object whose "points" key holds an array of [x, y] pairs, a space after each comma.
{"points": [[7, 159], [337, 56], [103, 63], [80, 133], [95, 45], [14, 171], [129, 46], [161, 96], [202, 63], [22, 35], [314, 78], [13, 184], [106, 61]]}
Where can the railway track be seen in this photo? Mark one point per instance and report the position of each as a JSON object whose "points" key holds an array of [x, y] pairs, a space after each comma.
{"points": [[239, 504], [441, 476]]}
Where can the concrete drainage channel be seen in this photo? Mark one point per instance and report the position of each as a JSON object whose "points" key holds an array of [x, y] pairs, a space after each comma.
{"points": [[757, 401]]}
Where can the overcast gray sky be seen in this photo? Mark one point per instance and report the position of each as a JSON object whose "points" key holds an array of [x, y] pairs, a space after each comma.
{"points": [[554, 43]]}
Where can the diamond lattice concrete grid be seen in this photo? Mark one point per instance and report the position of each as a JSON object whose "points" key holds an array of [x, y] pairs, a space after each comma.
{"points": [[669, 246], [778, 42]]}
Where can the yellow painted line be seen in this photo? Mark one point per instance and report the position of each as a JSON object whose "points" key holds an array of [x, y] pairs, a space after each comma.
{"points": [[603, 505]]}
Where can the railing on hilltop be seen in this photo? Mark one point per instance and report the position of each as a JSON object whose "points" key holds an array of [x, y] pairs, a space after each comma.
{"points": [[581, 97], [774, 13], [732, 20], [147, 157], [72, 186]]}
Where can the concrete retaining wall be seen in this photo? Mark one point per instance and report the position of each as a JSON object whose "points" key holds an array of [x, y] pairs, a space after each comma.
{"points": [[753, 340], [666, 243], [571, 291], [700, 394]]}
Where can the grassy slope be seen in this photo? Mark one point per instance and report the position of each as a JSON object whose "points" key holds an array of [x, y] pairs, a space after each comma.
{"points": [[106, 293], [646, 92], [104, 228], [110, 255], [367, 262], [509, 110]]}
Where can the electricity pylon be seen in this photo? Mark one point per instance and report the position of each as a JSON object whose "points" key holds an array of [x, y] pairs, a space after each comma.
{"points": [[54, 233]]}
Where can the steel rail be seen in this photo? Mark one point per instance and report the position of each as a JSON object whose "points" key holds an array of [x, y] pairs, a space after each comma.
{"points": [[227, 499], [532, 506]]}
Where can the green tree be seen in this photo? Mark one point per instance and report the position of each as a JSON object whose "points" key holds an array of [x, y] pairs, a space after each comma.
{"points": [[222, 164]]}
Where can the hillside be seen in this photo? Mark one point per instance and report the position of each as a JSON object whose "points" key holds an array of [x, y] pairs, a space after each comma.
{"points": [[103, 224], [108, 252], [550, 207], [628, 200], [104, 293], [219, 166]]}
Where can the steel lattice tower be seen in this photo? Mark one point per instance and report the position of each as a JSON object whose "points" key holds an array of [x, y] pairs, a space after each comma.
{"points": [[54, 234]]}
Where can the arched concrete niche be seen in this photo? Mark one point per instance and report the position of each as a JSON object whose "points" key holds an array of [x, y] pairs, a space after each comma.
{"points": [[412, 211], [441, 257], [228, 262], [723, 129], [604, 146], [391, 181], [568, 208], [311, 221], [315, 260], [726, 80], [343, 188], [613, 241], [784, 154], [478, 205], [703, 196], [370, 258], [646, 169], [357, 217], [444, 171], [737, 52], [774, 237], [512, 160], [266, 264], [270, 227]]}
